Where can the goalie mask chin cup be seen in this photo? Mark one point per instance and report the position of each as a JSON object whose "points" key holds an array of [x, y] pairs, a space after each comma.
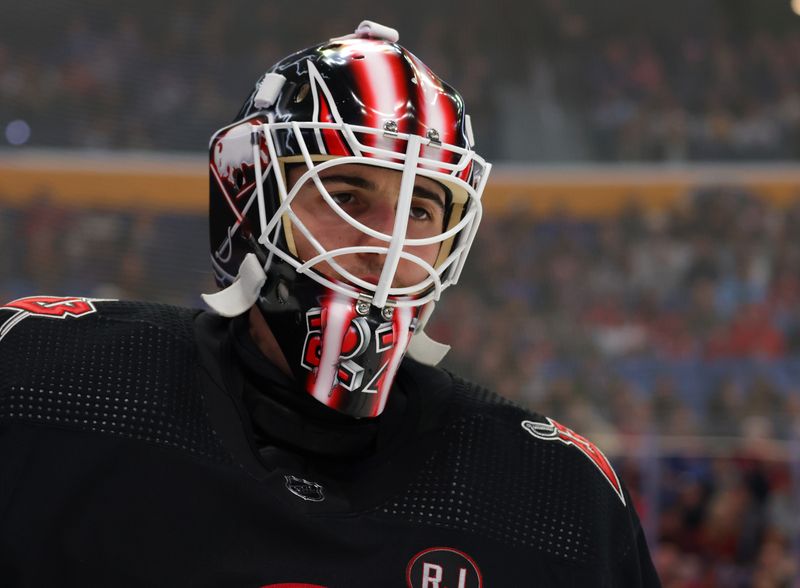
{"points": [[349, 349], [360, 100]]}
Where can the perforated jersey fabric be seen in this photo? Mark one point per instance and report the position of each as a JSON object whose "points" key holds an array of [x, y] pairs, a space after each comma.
{"points": [[127, 371], [539, 495], [127, 459]]}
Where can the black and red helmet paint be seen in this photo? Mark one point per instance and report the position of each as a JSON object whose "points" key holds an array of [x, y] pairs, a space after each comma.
{"points": [[356, 100]]}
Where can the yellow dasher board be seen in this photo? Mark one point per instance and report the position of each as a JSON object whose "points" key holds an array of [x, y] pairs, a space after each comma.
{"points": [[179, 183]]}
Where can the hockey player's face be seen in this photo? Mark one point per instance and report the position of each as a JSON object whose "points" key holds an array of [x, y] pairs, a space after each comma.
{"points": [[369, 195]]}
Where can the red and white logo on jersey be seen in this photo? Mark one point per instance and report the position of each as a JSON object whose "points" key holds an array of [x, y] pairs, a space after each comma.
{"points": [[54, 307], [555, 431], [443, 567]]}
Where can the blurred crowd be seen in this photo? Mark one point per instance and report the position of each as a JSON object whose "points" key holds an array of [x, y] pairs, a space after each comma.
{"points": [[48, 249], [724, 522], [671, 333], [568, 79], [694, 98]]}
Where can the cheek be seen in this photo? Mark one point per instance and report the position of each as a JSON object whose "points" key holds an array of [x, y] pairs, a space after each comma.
{"points": [[411, 272], [304, 249], [428, 253], [329, 238]]}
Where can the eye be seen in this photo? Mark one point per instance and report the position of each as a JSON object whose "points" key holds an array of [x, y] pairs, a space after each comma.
{"points": [[342, 198], [419, 213]]}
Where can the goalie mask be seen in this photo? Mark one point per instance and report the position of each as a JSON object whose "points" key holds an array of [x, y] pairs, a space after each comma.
{"points": [[344, 199]]}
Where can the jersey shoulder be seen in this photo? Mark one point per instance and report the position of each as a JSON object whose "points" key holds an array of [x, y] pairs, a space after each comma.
{"points": [[507, 473], [38, 315], [518, 428], [507, 433], [122, 369]]}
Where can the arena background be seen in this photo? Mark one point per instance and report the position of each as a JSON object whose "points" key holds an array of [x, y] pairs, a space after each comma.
{"points": [[637, 276]]}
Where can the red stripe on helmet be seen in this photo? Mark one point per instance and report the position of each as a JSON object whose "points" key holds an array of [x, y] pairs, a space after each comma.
{"points": [[436, 111], [466, 172], [334, 143], [380, 78]]}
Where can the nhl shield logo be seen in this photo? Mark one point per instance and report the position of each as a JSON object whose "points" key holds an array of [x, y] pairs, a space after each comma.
{"points": [[305, 489]]}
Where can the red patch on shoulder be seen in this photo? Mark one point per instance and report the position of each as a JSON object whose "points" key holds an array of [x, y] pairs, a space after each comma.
{"points": [[53, 307], [555, 431]]}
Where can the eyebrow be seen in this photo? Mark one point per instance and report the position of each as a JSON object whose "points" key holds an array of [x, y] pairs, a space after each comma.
{"points": [[364, 184]]}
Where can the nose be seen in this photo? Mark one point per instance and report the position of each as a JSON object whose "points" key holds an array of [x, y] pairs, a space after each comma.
{"points": [[381, 220]]}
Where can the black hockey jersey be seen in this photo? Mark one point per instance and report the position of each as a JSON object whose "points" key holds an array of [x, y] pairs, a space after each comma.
{"points": [[128, 458]]}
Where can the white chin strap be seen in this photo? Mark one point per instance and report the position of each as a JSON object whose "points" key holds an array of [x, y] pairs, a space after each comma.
{"points": [[425, 350], [242, 294]]}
